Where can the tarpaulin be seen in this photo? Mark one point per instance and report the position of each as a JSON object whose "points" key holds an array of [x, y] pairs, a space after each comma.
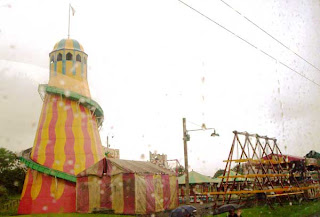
{"points": [[127, 193]]}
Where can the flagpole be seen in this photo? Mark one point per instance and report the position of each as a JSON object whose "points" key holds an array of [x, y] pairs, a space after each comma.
{"points": [[69, 23]]}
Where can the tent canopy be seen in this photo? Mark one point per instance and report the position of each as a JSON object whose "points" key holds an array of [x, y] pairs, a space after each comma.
{"points": [[195, 178], [111, 166]]}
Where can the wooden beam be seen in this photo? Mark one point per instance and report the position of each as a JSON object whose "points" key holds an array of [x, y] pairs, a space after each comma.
{"points": [[285, 194], [254, 176], [262, 191]]}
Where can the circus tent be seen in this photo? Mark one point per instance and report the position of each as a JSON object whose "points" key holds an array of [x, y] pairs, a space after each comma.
{"points": [[126, 187]]}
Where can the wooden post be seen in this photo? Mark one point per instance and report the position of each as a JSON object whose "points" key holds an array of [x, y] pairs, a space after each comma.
{"points": [[186, 171]]}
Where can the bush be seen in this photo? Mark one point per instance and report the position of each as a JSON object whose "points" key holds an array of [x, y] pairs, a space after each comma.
{"points": [[3, 194]]}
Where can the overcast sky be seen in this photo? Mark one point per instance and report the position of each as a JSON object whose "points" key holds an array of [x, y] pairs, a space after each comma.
{"points": [[151, 63]]}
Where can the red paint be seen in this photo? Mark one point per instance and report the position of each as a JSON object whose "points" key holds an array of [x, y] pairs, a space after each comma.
{"points": [[86, 137], [82, 194], [44, 114], [97, 137], [151, 202], [105, 194], [25, 206], [166, 191], [68, 167], [129, 193], [109, 167], [49, 154]]}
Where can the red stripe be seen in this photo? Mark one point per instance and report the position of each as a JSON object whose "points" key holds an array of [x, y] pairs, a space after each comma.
{"points": [[105, 194], [68, 166], [52, 134], [44, 114], [166, 191], [82, 194], [151, 202], [128, 193], [25, 206], [97, 138], [109, 167], [86, 137], [43, 202], [67, 201]]}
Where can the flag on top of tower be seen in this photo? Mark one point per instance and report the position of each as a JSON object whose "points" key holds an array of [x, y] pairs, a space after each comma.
{"points": [[73, 10]]}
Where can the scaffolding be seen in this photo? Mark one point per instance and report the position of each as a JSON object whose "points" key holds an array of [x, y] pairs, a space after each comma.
{"points": [[261, 171]]}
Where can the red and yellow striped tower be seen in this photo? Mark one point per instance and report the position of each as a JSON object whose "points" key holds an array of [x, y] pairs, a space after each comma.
{"points": [[67, 140]]}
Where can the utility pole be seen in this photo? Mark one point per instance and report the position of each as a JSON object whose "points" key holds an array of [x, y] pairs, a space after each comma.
{"points": [[186, 171], [186, 138]]}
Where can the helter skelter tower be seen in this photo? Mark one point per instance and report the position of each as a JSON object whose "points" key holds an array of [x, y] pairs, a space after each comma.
{"points": [[67, 140]]}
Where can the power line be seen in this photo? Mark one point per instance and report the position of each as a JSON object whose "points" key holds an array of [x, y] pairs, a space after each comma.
{"points": [[249, 43], [256, 25]]}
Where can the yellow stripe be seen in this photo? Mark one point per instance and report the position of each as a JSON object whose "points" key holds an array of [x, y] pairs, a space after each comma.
{"points": [[141, 195], [59, 155], [36, 185], [40, 119], [45, 132], [92, 138], [94, 192], [158, 192], [78, 139], [173, 192], [26, 181], [57, 187], [117, 193]]}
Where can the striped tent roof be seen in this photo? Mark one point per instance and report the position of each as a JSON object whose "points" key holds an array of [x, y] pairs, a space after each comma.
{"points": [[71, 44], [195, 178], [118, 166]]}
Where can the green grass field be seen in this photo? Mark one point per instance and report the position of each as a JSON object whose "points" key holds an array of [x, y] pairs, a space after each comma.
{"points": [[298, 210]]}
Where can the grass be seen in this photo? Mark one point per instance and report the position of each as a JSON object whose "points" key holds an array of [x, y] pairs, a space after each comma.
{"points": [[298, 210]]}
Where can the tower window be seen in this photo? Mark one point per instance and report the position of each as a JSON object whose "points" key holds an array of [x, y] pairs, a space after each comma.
{"points": [[85, 60], [78, 58], [69, 56], [52, 59], [59, 58]]}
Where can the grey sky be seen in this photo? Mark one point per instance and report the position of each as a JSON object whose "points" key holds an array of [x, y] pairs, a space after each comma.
{"points": [[147, 60]]}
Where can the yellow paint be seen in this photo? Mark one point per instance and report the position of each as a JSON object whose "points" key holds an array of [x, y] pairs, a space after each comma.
{"points": [[43, 110], [140, 194], [78, 139], [59, 154], [91, 134], [262, 191], [69, 44], [158, 192], [94, 192], [36, 184], [85, 69], [173, 192], [69, 68], [45, 132], [57, 187], [117, 193], [26, 181], [254, 175], [71, 84]]}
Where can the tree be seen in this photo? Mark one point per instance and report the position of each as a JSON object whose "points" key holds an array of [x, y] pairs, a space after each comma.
{"points": [[218, 173], [12, 173]]}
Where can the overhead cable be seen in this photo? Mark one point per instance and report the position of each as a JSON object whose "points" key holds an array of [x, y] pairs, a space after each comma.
{"points": [[249, 43], [256, 25]]}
